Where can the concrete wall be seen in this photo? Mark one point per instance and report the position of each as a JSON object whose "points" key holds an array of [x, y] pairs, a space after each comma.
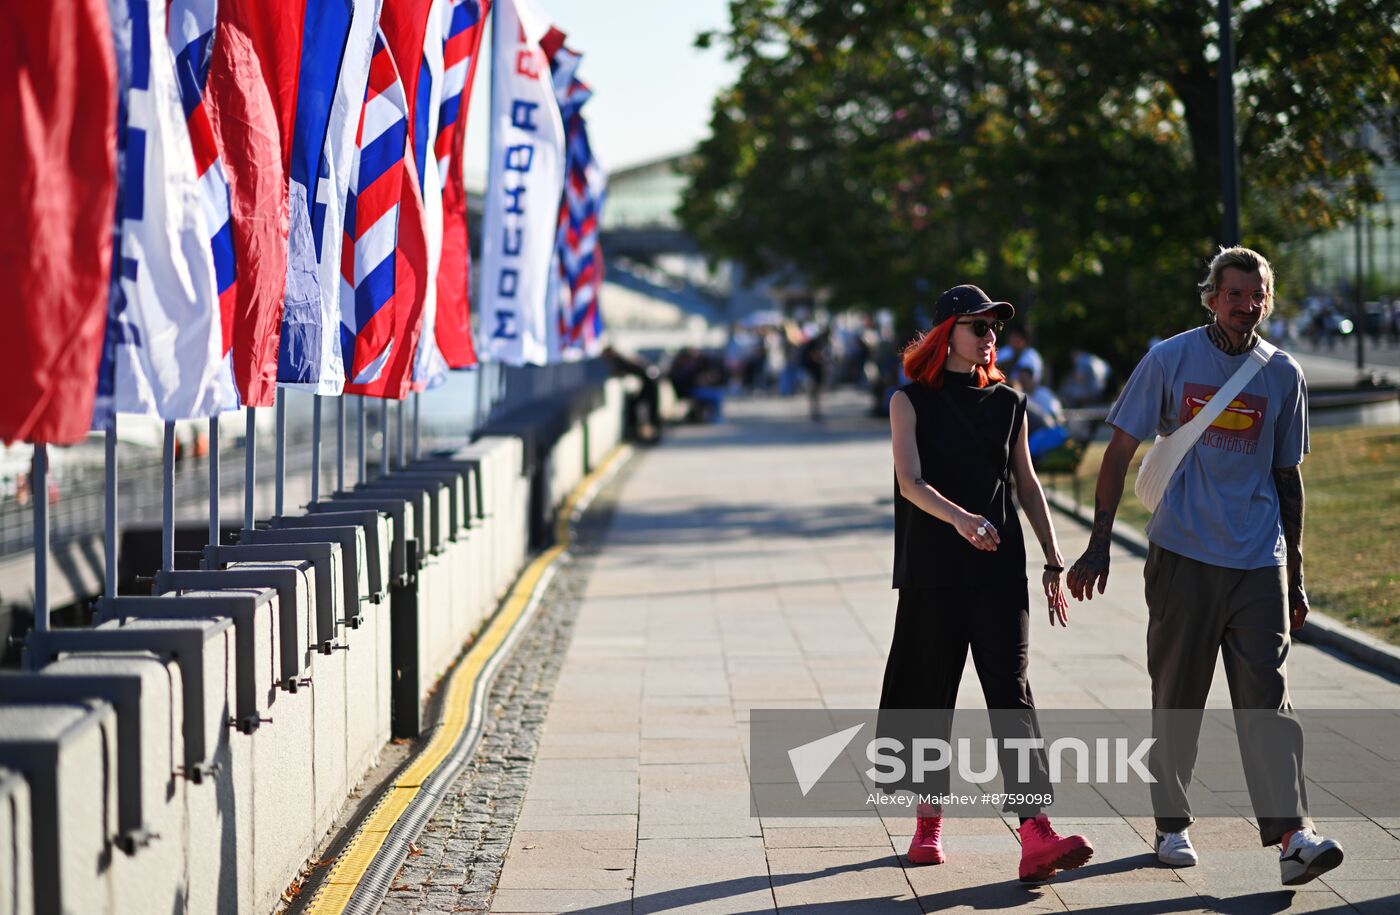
{"points": [[176, 758]]}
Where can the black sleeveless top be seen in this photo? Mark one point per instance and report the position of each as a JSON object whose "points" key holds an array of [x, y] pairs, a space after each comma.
{"points": [[972, 472]]}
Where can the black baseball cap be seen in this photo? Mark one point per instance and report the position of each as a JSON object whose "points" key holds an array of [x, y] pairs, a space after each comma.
{"points": [[968, 300]]}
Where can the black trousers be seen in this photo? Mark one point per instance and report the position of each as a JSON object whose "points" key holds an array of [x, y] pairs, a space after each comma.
{"points": [[934, 630]]}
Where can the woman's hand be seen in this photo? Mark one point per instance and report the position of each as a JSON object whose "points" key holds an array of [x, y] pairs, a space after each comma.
{"points": [[1059, 606], [978, 531]]}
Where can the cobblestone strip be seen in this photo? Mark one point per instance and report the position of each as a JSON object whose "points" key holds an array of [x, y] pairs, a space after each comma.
{"points": [[462, 850]]}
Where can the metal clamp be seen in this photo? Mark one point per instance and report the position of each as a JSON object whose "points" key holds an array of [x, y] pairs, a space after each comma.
{"points": [[198, 773], [135, 839], [248, 723]]}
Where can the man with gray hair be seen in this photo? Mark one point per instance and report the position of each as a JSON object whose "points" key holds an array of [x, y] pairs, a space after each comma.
{"points": [[1224, 570]]}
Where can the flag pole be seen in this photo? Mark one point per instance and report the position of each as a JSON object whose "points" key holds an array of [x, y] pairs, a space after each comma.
{"points": [[480, 377], [399, 409], [167, 514], [316, 448], [502, 388], [279, 478], [109, 535], [250, 462], [39, 477], [417, 425], [361, 469], [214, 480], [383, 436], [340, 443]]}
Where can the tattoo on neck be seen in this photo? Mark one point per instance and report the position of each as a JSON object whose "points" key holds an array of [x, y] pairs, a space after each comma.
{"points": [[1222, 340]]}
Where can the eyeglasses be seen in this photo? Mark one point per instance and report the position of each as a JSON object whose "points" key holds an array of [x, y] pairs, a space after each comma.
{"points": [[980, 327], [1237, 296]]}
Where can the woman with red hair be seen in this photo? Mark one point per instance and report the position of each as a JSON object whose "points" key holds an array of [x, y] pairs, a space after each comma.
{"points": [[959, 437]]}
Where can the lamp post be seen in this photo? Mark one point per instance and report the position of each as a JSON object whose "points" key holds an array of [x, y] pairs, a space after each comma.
{"points": [[1229, 153]]}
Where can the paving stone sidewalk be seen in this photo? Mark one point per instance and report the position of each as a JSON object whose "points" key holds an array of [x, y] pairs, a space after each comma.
{"points": [[747, 566]]}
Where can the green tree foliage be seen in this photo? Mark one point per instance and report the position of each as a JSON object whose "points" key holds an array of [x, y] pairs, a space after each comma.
{"points": [[1062, 153]]}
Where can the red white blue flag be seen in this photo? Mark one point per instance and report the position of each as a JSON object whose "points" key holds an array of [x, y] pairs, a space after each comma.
{"points": [[461, 51], [372, 224], [337, 43], [164, 345], [402, 25], [429, 367], [377, 282], [191, 33], [578, 254]]}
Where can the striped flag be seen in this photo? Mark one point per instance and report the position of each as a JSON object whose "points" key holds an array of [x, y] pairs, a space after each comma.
{"points": [[58, 196], [578, 255], [164, 343], [379, 285], [372, 224], [403, 25], [191, 34], [461, 51], [336, 45], [429, 368]]}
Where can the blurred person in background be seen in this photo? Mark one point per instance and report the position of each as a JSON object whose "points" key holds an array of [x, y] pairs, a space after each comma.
{"points": [[1088, 379], [1020, 354], [813, 357]]}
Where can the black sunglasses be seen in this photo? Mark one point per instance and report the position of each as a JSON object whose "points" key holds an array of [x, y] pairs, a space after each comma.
{"points": [[981, 326]]}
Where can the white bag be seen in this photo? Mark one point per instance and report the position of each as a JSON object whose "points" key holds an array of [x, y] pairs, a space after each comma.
{"points": [[1167, 452]]}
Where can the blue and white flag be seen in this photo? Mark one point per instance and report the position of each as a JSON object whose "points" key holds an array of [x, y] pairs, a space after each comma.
{"points": [[337, 44], [429, 367], [164, 343], [525, 181]]}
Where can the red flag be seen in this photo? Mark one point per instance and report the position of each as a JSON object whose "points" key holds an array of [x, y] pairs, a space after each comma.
{"points": [[404, 24], [252, 94], [58, 99], [453, 323]]}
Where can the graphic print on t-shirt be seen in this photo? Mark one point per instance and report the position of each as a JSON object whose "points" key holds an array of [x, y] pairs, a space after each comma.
{"points": [[1237, 427]]}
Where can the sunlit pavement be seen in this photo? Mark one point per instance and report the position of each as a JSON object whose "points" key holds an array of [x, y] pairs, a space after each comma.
{"points": [[748, 566]]}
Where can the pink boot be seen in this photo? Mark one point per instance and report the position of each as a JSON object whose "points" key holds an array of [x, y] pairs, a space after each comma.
{"points": [[927, 847], [1043, 851]]}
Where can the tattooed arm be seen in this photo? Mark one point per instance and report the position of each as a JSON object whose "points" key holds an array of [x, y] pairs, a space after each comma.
{"points": [[1289, 482], [1092, 567]]}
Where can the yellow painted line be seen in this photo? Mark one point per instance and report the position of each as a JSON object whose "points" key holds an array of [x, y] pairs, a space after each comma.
{"points": [[349, 869]]}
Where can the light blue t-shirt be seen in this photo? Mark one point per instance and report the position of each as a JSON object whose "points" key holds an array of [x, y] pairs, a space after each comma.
{"points": [[1221, 506]]}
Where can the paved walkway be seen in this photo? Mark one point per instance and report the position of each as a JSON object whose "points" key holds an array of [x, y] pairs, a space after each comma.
{"points": [[748, 567]]}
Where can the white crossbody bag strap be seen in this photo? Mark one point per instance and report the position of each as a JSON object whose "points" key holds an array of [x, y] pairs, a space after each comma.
{"points": [[1160, 463]]}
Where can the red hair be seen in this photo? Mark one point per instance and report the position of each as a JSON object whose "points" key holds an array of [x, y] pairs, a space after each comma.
{"points": [[925, 358]]}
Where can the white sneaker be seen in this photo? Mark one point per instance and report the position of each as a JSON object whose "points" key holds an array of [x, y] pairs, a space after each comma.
{"points": [[1307, 856], [1174, 849]]}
